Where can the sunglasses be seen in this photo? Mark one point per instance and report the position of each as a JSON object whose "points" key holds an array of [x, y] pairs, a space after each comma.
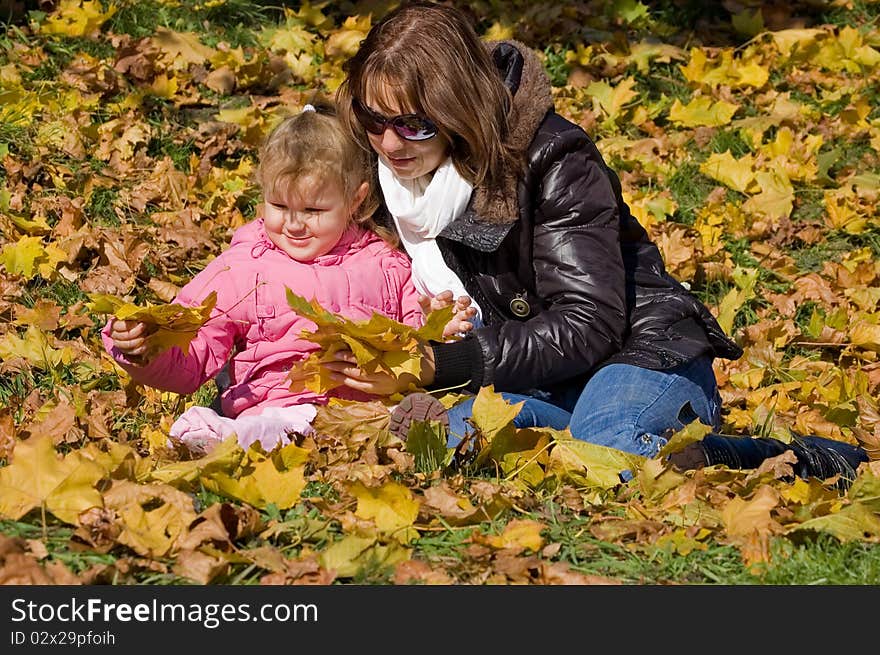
{"points": [[411, 127]]}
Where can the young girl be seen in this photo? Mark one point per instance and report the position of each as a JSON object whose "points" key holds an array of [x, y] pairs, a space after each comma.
{"points": [[316, 236]]}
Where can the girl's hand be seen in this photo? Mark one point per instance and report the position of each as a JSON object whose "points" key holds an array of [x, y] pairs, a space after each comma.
{"points": [[463, 312], [460, 323], [345, 371], [130, 338]]}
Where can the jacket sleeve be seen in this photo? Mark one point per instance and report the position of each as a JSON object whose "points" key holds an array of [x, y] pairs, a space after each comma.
{"points": [[172, 370], [578, 270]]}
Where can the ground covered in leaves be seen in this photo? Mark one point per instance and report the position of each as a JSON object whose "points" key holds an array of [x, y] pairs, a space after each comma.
{"points": [[746, 137]]}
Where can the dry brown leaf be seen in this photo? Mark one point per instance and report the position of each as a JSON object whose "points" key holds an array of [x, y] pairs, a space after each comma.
{"points": [[419, 572], [19, 566], [561, 573], [200, 567]]}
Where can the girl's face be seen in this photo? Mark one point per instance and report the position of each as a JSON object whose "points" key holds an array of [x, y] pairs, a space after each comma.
{"points": [[311, 218], [407, 159]]}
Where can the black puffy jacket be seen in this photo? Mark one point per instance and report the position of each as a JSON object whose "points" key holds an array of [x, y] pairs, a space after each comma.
{"points": [[567, 278]]}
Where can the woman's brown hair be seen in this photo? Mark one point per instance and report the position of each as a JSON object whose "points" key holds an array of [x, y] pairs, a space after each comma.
{"points": [[317, 143], [432, 59]]}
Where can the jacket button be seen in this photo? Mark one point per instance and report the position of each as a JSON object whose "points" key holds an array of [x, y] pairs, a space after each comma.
{"points": [[519, 307]]}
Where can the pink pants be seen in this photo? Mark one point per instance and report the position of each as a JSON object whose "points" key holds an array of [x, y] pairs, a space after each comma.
{"points": [[201, 428]]}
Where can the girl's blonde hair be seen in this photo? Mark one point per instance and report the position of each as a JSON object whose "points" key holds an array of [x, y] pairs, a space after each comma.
{"points": [[317, 143], [432, 60]]}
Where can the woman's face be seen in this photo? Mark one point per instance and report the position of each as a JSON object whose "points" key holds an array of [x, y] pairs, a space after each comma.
{"points": [[407, 159]]}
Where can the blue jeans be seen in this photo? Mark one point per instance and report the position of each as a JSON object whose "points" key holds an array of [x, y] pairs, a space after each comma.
{"points": [[622, 406]]}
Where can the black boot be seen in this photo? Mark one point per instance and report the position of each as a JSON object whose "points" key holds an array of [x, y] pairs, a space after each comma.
{"points": [[816, 457]]}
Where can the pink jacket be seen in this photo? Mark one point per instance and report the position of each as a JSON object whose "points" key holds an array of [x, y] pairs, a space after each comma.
{"points": [[253, 322]]}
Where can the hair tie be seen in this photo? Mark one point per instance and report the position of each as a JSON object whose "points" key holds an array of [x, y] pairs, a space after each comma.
{"points": [[308, 108]]}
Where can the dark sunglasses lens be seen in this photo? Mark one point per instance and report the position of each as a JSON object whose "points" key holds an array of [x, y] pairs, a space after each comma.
{"points": [[414, 128], [369, 121]]}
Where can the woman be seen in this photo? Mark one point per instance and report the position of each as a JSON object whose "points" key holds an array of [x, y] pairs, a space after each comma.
{"points": [[499, 199]]}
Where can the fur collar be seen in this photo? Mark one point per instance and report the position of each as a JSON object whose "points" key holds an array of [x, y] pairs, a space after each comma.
{"points": [[523, 73]]}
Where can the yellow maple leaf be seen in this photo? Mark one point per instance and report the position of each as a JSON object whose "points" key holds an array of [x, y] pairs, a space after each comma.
{"points": [[225, 457], [292, 39], [589, 464], [153, 517], [176, 324], [733, 300], [260, 479], [119, 460], [309, 15], [77, 18], [33, 226], [181, 49], [792, 41], [613, 99], [345, 41], [516, 451], [702, 111], [391, 507], [776, 199], [643, 52], [695, 69], [164, 86], [499, 31], [20, 257], [865, 335], [254, 122], [34, 347], [694, 431], [842, 214], [18, 107], [379, 343], [29, 256], [492, 413], [751, 74], [302, 66], [852, 523], [39, 478], [352, 553], [738, 174], [519, 534]]}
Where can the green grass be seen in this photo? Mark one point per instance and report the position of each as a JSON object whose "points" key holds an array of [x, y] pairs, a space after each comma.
{"points": [[17, 138], [838, 244], [725, 140], [235, 22], [857, 12], [101, 207], [57, 538], [665, 82], [689, 189], [61, 291], [813, 560], [556, 66]]}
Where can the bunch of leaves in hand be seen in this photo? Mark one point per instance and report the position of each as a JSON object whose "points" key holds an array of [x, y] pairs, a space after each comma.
{"points": [[378, 344], [176, 325]]}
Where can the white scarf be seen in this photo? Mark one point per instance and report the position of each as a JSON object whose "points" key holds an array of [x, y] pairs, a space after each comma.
{"points": [[421, 208]]}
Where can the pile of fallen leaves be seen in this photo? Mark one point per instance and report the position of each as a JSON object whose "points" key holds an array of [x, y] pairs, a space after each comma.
{"points": [[746, 144]]}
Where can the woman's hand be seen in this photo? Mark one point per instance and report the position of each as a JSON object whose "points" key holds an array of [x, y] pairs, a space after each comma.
{"points": [[463, 312], [130, 338], [345, 371]]}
